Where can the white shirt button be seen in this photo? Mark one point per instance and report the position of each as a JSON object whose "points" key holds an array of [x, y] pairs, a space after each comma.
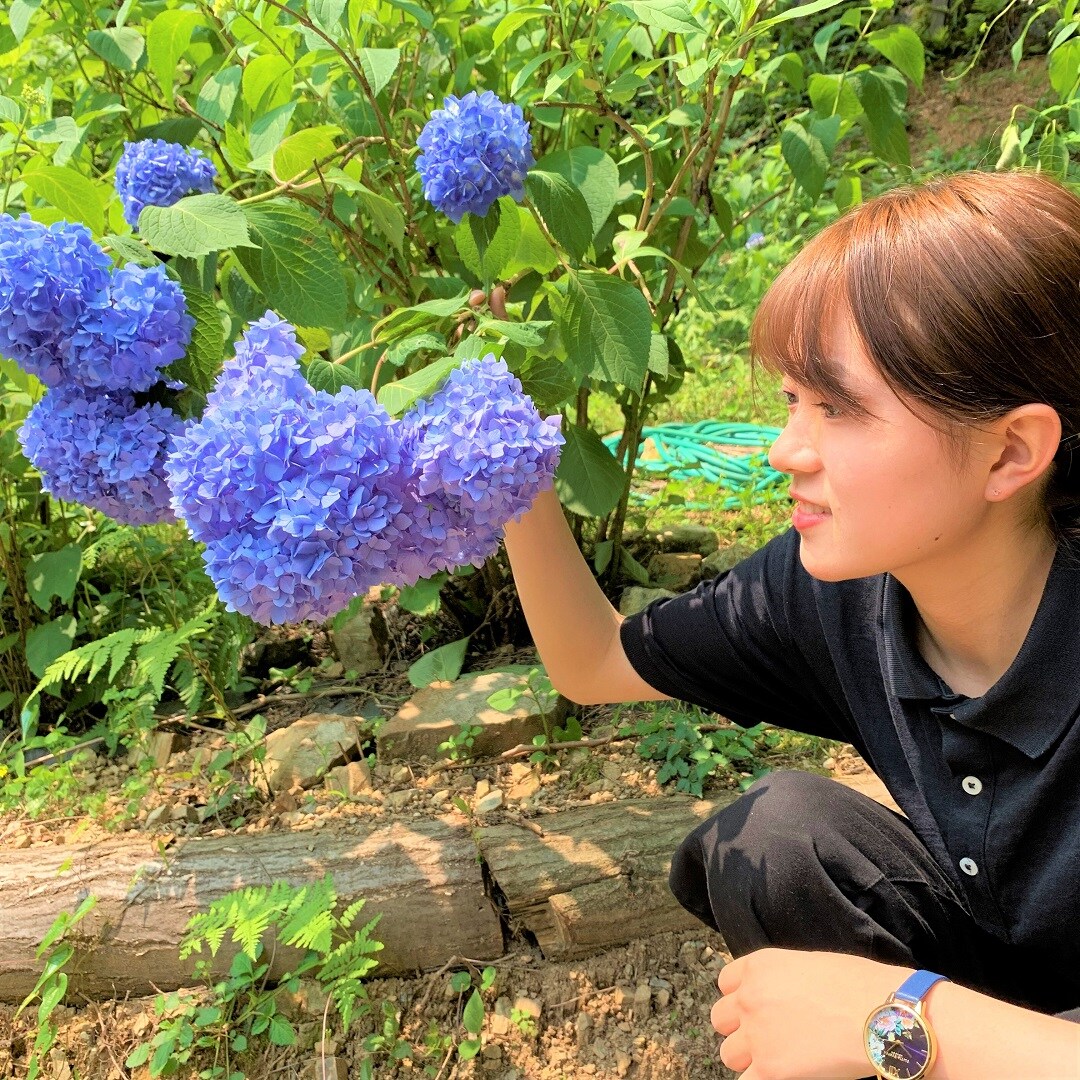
{"points": [[972, 785], [969, 867]]}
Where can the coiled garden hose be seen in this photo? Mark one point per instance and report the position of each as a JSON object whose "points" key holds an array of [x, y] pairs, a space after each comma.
{"points": [[692, 451]]}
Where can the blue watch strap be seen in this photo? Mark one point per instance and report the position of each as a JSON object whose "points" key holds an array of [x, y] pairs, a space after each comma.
{"points": [[915, 987]]}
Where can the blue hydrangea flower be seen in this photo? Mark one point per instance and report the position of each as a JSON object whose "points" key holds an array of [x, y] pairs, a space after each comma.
{"points": [[297, 494], [49, 276], [104, 451], [158, 173], [475, 150], [755, 241], [137, 326], [480, 454]]}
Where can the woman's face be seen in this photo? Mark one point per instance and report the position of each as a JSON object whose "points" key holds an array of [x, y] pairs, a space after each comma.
{"points": [[879, 492]]}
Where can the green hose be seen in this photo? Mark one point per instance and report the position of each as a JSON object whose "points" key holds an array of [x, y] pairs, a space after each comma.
{"points": [[688, 452]]}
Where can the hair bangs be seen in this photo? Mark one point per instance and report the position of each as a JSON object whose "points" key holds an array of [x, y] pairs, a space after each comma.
{"points": [[790, 332]]}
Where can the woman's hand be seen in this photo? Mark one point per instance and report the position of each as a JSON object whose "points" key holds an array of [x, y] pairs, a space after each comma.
{"points": [[789, 1014]]}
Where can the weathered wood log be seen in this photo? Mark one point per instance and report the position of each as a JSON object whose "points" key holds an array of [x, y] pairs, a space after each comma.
{"points": [[598, 875], [423, 877]]}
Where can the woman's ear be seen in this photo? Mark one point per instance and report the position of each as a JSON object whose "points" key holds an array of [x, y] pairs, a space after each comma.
{"points": [[1029, 439]]}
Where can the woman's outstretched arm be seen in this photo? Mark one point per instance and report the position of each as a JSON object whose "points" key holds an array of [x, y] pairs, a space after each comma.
{"points": [[573, 624]]}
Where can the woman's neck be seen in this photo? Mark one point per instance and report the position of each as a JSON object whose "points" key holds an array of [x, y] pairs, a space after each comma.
{"points": [[975, 612]]}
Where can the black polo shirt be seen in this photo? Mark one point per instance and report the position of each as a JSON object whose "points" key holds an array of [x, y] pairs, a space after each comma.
{"points": [[990, 784]]}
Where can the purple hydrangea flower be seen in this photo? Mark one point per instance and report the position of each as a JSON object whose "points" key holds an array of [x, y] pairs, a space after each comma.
{"points": [[104, 451], [480, 453], [298, 495], [49, 276], [137, 326], [475, 150], [755, 240], [158, 173]]}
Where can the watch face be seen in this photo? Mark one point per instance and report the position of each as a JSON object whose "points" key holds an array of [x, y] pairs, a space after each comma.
{"points": [[898, 1042]]}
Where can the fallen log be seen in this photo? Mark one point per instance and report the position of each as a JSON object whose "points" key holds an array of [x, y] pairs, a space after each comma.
{"points": [[598, 875], [423, 877]]}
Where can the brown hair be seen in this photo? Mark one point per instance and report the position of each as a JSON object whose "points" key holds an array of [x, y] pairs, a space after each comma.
{"points": [[965, 292]]}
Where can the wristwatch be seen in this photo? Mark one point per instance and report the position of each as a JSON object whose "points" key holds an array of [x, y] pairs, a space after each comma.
{"points": [[899, 1040]]}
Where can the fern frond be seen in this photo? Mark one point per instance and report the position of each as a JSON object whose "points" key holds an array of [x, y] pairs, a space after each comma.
{"points": [[113, 649]]}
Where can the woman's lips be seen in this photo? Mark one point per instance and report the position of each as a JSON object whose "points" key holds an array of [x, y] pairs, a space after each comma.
{"points": [[807, 514]]}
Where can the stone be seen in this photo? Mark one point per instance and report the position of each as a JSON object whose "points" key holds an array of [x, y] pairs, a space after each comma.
{"points": [[611, 770], [398, 800], [352, 779], [696, 538], [440, 710], [158, 748], [360, 641], [622, 997], [491, 801], [158, 815], [675, 570], [725, 558], [527, 1006], [583, 1026], [325, 1068], [622, 1062], [184, 812], [636, 598], [525, 788], [642, 1004], [302, 753]]}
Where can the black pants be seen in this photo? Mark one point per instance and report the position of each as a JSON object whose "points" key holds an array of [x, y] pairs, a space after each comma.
{"points": [[801, 862]]}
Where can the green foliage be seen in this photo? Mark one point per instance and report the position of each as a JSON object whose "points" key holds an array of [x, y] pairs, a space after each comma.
{"points": [[51, 986], [229, 1015]]}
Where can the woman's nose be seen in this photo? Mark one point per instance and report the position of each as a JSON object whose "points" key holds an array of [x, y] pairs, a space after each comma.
{"points": [[794, 450]]}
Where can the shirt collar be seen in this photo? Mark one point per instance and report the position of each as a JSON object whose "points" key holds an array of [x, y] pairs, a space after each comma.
{"points": [[1030, 706]]}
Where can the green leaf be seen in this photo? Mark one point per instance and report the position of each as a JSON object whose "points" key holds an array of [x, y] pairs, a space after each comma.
{"points": [[800, 12], [468, 1048], [563, 210], [397, 397], [199, 366], [1053, 154], [332, 377], [10, 110], [196, 225], [379, 65], [549, 382], [47, 642], [77, 197], [298, 152], [607, 328], [267, 133], [512, 21], [387, 216], [526, 73], [440, 665], [327, 14], [420, 316], [593, 173], [533, 252], [673, 15], [121, 48], [1010, 147], [281, 1031], [531, 335], [1063, 67], [473, 1015], [400, 351], [262, 73], [833, 95], [487, 244], [588, 479], [19, 14], [54, 573], [218, 95], [423, 597], [885, 120], [295, 267], [900, 45], [167, 40]]}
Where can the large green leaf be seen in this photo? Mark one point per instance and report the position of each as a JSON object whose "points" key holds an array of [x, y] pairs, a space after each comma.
{"points": [[332, 377], [218, 95], [120, 47], [607, 328], [833, 95], [533, 250], [76, 196], [900, 45], [301, 150], [549, 382], [1063, 66], [47, 642], [19, 14], [673, 15], [295, 266], [563, 210], [593, 173], [263, 73], [588, 480], [388, 217], [266, 135], [442, 664], [379, 66], [167, 40], [195, 226], [884, 117], [54, 573], [397, 397], [805, 155], [487, 244], [199, 366]]}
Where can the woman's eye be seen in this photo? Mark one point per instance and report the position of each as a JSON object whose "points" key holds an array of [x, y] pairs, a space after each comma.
{"points": [[790, 399], [830, 411]]}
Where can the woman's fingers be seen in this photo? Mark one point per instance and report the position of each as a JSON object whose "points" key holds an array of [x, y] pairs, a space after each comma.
{"points": [[731, 975], [725, 1015], [735, 1052]]}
